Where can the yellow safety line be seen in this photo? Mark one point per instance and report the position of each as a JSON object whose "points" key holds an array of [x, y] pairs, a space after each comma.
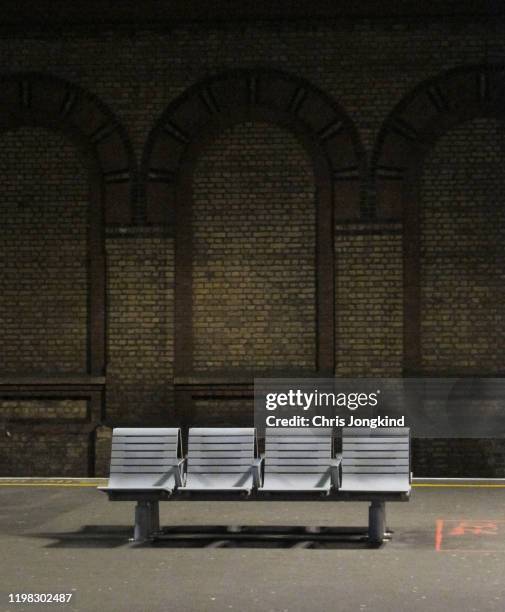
{"points": [[45, 484], [101, 482], [18, 483], [460, 486]]}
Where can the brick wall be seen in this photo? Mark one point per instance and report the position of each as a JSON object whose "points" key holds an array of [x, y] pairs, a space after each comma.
{"points": [[368, 300], [462, 237], [43, 250], [140, 330], [254, 252], [253, 299], [367, 66], [51, 453], [43, 408]]}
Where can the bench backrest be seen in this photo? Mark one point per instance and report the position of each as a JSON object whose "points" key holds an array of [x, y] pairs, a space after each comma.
{"points": [[144, 457], [221, 458], [376, 459], [297, 458]]}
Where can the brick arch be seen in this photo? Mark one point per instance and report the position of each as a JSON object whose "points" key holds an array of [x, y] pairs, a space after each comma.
{"points": [[38, 100], [196, 118], [407, 136]]}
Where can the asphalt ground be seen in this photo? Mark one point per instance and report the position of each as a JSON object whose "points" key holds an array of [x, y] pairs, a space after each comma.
{"points": [[446, 551]]}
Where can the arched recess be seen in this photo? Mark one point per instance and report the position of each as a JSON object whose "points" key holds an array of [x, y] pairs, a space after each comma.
{"points": [[408, 135], [203, 112], [38, 100]]}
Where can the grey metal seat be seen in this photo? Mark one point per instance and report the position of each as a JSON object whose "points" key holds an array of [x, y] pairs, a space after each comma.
{"points": [[145, 459], [376, 464], [222, 460], [299, 460], [376, 460], [146, 466]]}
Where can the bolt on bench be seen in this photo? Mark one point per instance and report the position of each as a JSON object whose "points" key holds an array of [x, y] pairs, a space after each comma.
{"points": [[223, 464]]}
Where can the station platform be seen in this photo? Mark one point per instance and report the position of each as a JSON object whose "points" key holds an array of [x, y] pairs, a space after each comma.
{"points": [[446, 550]]}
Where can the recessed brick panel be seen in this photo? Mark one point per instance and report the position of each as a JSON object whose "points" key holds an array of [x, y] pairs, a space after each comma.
{"points": [[43, 254], [368, 302], [254, 252], [45, 409], [140, 299], [462, 257], [50, 454]]}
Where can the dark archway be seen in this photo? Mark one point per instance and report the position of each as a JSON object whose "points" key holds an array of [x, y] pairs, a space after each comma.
{"points": [[408, 135], [38, 100], [195, 119]]}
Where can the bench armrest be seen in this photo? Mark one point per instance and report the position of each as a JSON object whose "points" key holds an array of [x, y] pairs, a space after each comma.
{"points": [[257, 470], [336, 471], [180, 472]]}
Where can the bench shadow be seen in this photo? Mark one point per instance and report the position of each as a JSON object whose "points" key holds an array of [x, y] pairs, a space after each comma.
{"points": [[214, 536]]}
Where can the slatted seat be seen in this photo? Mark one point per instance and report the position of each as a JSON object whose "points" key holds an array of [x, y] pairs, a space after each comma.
{"points": [[222, 460], [146, 466], [298, 460], [145, 459], [376, 460]]}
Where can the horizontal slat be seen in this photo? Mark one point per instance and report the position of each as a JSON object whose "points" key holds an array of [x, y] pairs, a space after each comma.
{"points": [[221, 461], [306, 447], [221, 439], [378, 440], [145, 439], [357, 447], [297, 440], [139, 469], [295, 454], [366, 469], [214, 447], [146, 431], [127, 454], [222, 431], [142, 447], [298, 431], [217, 469], [299, 461], [383, 431], [136, 461], [297, 469], [214, 454], [378, 454], [386, 461]]}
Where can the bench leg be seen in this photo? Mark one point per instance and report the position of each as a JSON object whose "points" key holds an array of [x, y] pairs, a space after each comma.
{"points": [[147, 520], [376, 522]]}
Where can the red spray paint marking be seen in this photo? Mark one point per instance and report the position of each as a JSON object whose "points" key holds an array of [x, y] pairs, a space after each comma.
{"points": [[479, 531]]}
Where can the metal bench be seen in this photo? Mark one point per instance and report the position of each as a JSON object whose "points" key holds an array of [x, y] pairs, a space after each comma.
{"points": [[222, 460], [222, 463], [146, 466], [376, 466], [299, 460]]}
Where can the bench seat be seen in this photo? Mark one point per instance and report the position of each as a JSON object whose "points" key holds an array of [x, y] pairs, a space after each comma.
{"points": [[298, 460], [222, 460], [146, 465]]}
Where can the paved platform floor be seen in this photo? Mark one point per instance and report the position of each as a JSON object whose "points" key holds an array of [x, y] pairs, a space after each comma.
{"points": [[447, 552]]}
